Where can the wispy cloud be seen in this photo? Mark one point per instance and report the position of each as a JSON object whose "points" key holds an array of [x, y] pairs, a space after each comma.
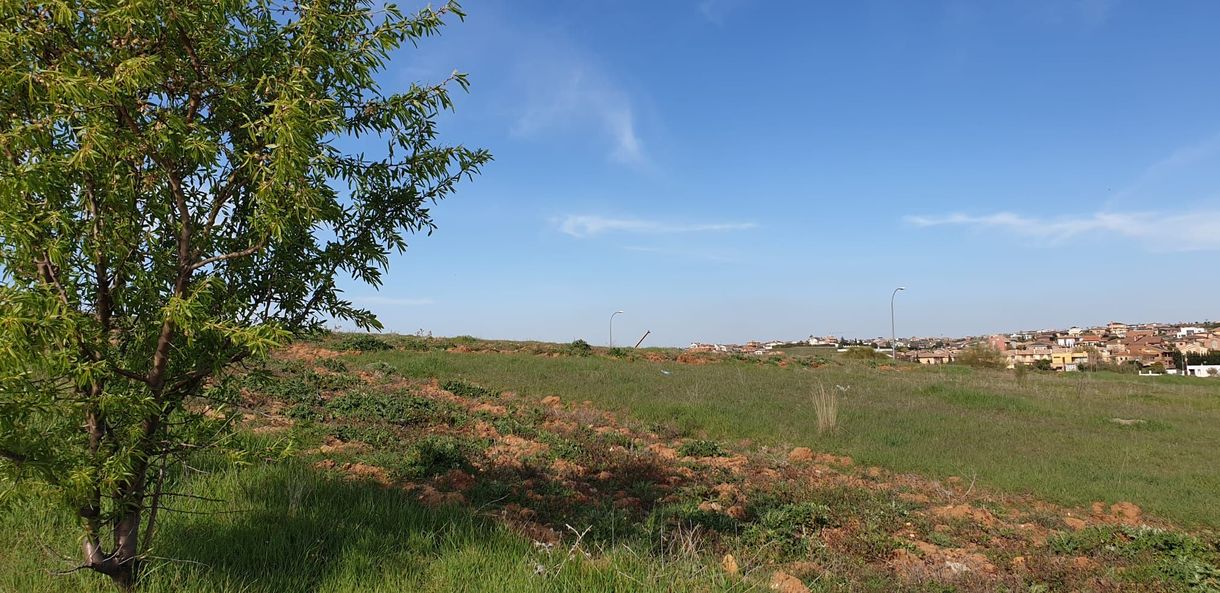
{"points": [[1184, 157], [699, 254], [1197, 230], [566, 90], [588, 225], [397, 302]]}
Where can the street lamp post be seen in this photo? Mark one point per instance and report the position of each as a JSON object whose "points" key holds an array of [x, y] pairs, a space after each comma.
{"points": [[893, 334], [612, 327]]}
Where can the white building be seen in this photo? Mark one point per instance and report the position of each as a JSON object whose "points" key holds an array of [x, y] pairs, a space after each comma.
{"points": [[1203, 370]]}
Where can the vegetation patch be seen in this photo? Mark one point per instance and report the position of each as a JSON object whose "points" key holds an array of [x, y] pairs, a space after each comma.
{"points": [[701, 448]]}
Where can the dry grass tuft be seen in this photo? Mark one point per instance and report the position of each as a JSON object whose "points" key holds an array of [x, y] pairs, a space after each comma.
{"points": [[826, 406]]}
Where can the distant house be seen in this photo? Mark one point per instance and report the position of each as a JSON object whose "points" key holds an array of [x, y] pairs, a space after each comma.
{"points": [[1028, 356], [1068, 360], [934, 357], [1067, 340]]}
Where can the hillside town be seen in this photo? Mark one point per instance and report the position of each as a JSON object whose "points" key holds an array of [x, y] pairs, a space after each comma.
{"points": [[1152, 348]]}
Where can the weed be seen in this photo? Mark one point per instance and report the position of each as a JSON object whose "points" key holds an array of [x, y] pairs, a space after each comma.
{"points": [[382, 368], [333, 365], [580, 348], [464, 389], [701, 448], [363, 343], [401, 409]]}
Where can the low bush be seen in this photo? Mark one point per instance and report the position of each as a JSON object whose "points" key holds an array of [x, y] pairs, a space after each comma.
{"points": [[363, 343], [701, 448], [580, 348], [400, 409]]}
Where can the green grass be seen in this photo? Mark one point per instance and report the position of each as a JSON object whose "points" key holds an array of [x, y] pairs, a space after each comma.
{"points": [[286, 528], [1051, 435]]}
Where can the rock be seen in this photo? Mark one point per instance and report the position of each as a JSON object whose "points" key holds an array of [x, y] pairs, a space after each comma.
{"points": [[729, 564], [786, 583], [800, 454], [551, 401], [1075, 523]]}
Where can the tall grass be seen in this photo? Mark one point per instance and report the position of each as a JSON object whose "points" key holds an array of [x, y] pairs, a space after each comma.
{"points": [[826, 407], [285, 528]]}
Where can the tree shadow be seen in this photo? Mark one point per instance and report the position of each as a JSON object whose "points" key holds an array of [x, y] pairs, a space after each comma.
{"points": [[288, 528]]}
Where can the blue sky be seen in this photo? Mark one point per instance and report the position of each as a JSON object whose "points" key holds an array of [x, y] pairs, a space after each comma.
{"points": [[732, 169]]}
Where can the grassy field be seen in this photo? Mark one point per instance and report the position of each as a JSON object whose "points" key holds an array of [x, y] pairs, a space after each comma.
{"points": [[364, 474], [1051, 435]]}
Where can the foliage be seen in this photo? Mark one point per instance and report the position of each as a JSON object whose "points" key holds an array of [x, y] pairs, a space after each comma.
{"points": [[981, 356], [363, 343], [580, 347], [864, 353], [701, 448], [174, 198], [400, 409], [464, 389]]}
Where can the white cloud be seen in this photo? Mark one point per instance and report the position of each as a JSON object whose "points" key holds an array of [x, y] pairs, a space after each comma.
{"points": [[588, 225], [397, 302], [565, 90], [1197, 230]]}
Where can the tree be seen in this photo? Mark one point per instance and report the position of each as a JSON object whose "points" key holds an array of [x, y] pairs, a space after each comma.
{"points": [[982, 356], [174, 198]]}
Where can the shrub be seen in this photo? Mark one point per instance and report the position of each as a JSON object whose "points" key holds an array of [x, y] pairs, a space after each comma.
{"points": [[980, 356], [396, 409], [864, 353], [364, 343], [436, 454], [580, 347], [701, 448]]}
